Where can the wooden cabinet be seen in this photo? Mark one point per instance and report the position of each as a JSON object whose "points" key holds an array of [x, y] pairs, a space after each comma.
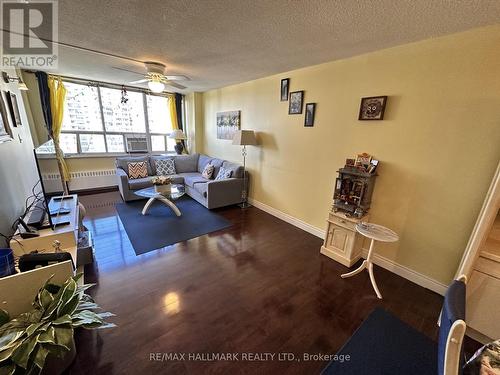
{"points": [[342, 242]]}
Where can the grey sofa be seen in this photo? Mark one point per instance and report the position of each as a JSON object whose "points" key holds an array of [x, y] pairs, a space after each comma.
{"points": [[210, 193]]}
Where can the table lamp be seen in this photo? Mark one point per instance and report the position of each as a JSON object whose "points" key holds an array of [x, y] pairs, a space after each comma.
{"points": [[244, 138], [178, 135]]}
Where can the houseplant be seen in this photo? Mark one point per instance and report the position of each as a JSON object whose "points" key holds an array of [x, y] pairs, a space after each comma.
{"points": [[162, 184], [43, 336]]}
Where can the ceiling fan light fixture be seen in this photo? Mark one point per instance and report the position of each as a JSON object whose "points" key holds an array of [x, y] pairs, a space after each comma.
{"points": [[156, 86]]}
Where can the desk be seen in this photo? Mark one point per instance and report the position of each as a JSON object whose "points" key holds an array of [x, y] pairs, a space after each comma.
{"points": [[375, 233], [67, 234]]}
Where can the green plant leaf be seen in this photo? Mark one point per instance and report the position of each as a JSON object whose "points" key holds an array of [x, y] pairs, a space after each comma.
{"points": [[65, 319], [64, 336], [47, 337], [6, 353], [4, 317], [9, 339], [8, 369], [66, 296], [33, 328], [87, 306], [45, 298], [40, 356], [70, 307], [86, 317], [21, 355]]}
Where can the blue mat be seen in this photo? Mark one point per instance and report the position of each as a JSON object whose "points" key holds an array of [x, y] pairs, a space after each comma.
{"points": [[384, 345], [160, 227]]}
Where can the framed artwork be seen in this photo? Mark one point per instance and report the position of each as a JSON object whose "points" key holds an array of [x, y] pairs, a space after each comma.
{"points": [[5, 131], [15, 109], [295, 104], [8, 107], [372, 108], [285, 84], [228, 123], [310, 111]]}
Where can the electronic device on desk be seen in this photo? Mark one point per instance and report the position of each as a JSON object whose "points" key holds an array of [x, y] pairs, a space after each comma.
{"points": [[25, 230], [40, 215], [36, 260]]}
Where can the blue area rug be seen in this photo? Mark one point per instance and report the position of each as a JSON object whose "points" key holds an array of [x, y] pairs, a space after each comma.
{"points": [[384, 345], [160, 227]]}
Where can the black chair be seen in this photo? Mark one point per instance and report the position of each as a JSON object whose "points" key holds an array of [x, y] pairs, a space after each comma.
{"points": [[384, 345]]}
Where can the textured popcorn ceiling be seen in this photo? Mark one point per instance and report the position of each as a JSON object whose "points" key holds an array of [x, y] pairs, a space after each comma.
{"points": [[217, 43]]}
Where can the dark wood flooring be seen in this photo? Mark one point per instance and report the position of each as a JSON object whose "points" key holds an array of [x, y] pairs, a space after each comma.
{"points": [[260, 286]]}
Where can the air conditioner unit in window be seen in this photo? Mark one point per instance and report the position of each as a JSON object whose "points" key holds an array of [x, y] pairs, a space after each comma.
{"points": [[136, 144]]}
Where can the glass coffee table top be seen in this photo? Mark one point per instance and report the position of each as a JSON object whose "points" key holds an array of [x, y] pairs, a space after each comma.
{"points": [[176, 191]]}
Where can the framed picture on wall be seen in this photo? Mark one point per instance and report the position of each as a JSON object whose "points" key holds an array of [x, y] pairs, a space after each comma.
{"points": [[295, 104], [15, 110], [228, 123], [310, 111], [372, 108], [8, 107], [5, 131], [285, 84]]}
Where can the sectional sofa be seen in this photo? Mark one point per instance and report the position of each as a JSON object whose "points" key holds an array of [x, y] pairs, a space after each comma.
{"points": [[210, 193]]}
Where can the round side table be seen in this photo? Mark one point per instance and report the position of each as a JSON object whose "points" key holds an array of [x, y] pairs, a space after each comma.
{"points": [[375, 233]]}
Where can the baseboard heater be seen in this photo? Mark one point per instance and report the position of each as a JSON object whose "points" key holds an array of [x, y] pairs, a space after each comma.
{"points": [[83, 180]]}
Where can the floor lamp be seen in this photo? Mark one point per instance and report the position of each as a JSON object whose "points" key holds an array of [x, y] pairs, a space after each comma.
{"points": [[244, 138]]}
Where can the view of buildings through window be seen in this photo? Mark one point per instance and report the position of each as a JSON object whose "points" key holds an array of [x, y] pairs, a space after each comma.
{"points": [[96, 121]]}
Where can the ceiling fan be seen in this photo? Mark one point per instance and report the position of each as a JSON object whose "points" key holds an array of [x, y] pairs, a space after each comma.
{"points": [[156, 78]]}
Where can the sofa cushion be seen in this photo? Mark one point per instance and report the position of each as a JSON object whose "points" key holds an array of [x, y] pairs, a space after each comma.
{"points": [[208, 172], [137, 170], [123, 162], [223, 174], [164, 167], [203, 160], [235, 168], [154, 158], [192, 179], [186, 163], [140, 183], [202, 189], [217, 163]]}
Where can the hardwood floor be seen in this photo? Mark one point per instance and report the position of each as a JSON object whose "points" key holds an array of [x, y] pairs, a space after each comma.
{"points": [[260, 286]]}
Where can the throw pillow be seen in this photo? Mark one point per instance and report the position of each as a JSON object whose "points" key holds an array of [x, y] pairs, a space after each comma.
{"points": [[137, 170], [208, 171], [164, 167], [223, 174]]}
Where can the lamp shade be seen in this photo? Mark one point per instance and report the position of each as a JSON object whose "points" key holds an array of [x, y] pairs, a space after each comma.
{"points": [[177, 134], [244, 138]]}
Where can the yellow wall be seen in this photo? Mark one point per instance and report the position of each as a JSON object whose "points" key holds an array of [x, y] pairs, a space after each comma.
{"points": [[438, 145]]}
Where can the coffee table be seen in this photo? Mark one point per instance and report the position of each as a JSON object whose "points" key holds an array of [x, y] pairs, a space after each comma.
{"points": [[375, 233], [176, 191]]}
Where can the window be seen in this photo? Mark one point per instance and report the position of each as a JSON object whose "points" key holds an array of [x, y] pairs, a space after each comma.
{"points": [[96, 121], [158, 115], [81, 108], [123, 118], [92, 143]]}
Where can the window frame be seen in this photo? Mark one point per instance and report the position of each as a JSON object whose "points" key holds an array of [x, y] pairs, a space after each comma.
{"points": [[104, 132]]}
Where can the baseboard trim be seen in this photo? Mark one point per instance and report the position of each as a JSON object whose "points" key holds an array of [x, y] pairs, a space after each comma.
{"points": [[390, 265], [407, 273], [288, 218]]}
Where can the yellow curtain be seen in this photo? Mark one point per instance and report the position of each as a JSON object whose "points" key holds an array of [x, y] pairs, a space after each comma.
{"points": [[173, 112], [57, 96]]}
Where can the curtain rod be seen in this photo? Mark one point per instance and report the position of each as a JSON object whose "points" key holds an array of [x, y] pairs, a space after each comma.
{"points": [[105, 84]]}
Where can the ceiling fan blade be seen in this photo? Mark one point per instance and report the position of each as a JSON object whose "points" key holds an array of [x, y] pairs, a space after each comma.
{"points": [[176, 78], [176, 85], [126, 70], [139, 81]]}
